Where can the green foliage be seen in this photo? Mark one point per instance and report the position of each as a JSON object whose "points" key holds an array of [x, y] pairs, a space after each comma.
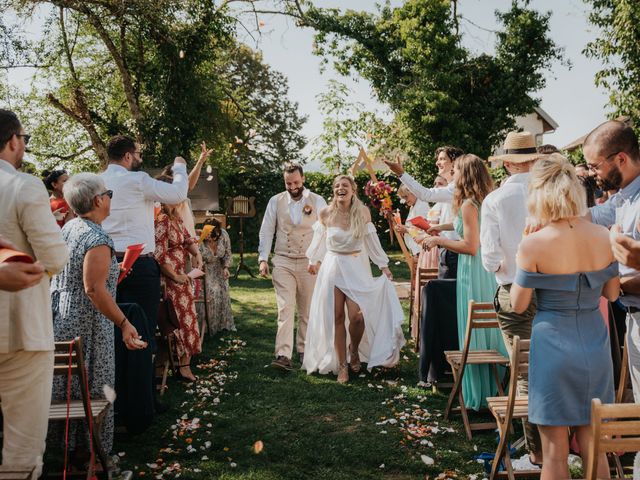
{"points": [[171, 73], [443, 94], [618, 48]]}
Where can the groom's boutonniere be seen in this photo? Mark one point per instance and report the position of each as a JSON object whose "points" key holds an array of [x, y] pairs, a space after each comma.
{"points": [[307, 209]]}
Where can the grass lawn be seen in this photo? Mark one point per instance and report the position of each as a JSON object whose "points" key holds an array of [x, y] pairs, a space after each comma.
{"points": [[246, 421]]}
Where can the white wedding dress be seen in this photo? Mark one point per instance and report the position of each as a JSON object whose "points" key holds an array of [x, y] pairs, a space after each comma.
{"points": [[345, 265]]}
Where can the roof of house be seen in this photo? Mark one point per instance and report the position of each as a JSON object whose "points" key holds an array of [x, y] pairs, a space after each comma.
{"points": [[577, 143], [549, 124]]}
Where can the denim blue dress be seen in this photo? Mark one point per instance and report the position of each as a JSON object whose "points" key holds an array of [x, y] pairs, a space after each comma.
{"points": [[570, 358]]}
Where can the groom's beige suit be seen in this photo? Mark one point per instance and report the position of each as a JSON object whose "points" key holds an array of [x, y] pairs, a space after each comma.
{"points": [[292, 222]]}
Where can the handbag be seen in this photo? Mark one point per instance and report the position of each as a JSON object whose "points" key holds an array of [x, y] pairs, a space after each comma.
{"points": [[168, 320]]}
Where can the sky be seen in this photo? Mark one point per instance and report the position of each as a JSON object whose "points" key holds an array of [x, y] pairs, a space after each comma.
{"points": [[570, 96]]}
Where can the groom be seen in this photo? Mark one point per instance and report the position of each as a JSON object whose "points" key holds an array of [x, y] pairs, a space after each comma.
{"points": [[290, 215]]}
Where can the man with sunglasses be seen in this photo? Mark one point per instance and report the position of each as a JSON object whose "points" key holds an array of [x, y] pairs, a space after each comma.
{"points": [[612, 153], [132, 222], [26, 324]]}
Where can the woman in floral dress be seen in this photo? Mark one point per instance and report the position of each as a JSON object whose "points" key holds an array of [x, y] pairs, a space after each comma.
{"points": [[173, 246], [216, 253]]}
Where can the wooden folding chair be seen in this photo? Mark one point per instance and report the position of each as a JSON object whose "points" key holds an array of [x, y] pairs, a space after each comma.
{"points": [[169, 358], [481, 315], [614, 428], [96, 409], [423, 275], [509, 408]]}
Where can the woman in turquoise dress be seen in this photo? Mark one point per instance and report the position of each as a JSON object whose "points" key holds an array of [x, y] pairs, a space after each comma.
{"points": [[569, 264], [473, 183]]}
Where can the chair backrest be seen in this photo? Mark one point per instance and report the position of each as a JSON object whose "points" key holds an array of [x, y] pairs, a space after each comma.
{"points": [[614, 428], [480, 315], [426, 274], [519, 365], [62, 351], [62, 365]]}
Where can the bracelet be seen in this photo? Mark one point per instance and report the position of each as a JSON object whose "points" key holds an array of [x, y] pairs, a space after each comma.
{"points": [[122, 322]]}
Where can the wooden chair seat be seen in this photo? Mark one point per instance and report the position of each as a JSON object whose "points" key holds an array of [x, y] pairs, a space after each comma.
{"points": [[499, 407], [58, 410], [477, 357], [481, 315]]}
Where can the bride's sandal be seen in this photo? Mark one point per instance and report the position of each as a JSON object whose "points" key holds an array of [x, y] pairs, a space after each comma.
{"points": [[343, 373], [356, 365]]}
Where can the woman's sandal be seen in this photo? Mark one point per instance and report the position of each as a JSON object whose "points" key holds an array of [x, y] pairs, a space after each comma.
{"points": [[343, 373], [356, 364], [181, 377]]}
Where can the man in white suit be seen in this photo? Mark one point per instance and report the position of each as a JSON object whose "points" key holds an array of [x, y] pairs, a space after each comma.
{"points": [[26, 325]]}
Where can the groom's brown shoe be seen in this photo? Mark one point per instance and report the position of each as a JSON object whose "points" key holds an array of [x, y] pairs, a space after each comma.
{"points": [[282, 363]]}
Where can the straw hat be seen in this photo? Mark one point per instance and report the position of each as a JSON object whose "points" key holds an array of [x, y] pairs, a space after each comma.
{"points": [[519, 147]]}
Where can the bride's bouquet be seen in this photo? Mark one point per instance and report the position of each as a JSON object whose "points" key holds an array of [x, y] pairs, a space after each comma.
{"points": [[379, 193]]}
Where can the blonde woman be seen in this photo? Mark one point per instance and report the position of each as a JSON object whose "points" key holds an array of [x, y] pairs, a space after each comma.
{"points": [[472, 184], [570, 265], [344, 240]]}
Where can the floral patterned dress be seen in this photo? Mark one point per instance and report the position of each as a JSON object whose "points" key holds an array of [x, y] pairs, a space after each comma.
{"points": [[218, 300], [172, 240], [75, 315]]}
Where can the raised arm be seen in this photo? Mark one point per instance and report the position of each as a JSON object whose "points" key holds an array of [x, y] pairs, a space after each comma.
{"points": [[195, 173], [167, 193]]}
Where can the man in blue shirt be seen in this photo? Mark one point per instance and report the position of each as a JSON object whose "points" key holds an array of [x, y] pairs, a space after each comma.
{"points": [[612, 152]]}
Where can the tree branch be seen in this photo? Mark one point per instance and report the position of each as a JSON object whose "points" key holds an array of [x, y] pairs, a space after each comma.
{"points": [[62, 157]]}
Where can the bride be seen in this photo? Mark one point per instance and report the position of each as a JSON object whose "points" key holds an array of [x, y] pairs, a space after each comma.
{"points": [[344, 239]]}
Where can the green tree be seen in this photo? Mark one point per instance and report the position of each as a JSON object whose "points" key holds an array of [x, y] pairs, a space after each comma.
{"points": [[415, 60], [618, 47], [169, 72]]}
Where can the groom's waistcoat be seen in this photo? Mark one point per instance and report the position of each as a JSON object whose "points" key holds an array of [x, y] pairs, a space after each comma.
{"points": [[293, 240]]}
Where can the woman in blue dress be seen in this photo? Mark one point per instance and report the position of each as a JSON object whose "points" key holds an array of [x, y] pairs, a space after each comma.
{"points": [[473, 183], [570, 265]]}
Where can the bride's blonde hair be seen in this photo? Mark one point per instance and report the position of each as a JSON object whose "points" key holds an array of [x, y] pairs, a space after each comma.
{"points": [[356, 217]]}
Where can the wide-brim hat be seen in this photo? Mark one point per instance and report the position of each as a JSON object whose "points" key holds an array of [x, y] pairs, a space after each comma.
{"points": [[519, 147]]}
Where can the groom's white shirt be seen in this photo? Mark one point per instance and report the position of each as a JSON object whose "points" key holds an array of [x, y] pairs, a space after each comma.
{"points": [[269, 221]]}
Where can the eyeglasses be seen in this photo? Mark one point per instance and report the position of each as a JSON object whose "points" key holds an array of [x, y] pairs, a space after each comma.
{"points": [[25, 136], [593, 167], [108, 193]]}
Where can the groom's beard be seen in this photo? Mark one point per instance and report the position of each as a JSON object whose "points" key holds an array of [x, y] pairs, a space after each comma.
{"points": [[296, 193], [136, 166]]}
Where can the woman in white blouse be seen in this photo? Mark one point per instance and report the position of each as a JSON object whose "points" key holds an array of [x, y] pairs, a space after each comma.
{"points": [[344, 240]]}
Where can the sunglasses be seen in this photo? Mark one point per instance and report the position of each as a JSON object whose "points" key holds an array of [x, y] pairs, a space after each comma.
{"points": [[25, 136], [108, 193]]}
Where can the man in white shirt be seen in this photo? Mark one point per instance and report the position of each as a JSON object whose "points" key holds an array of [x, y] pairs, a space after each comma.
{"points": [[132, 220], [502, 223], [290, 215], [26, 323], [445, 156]]}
